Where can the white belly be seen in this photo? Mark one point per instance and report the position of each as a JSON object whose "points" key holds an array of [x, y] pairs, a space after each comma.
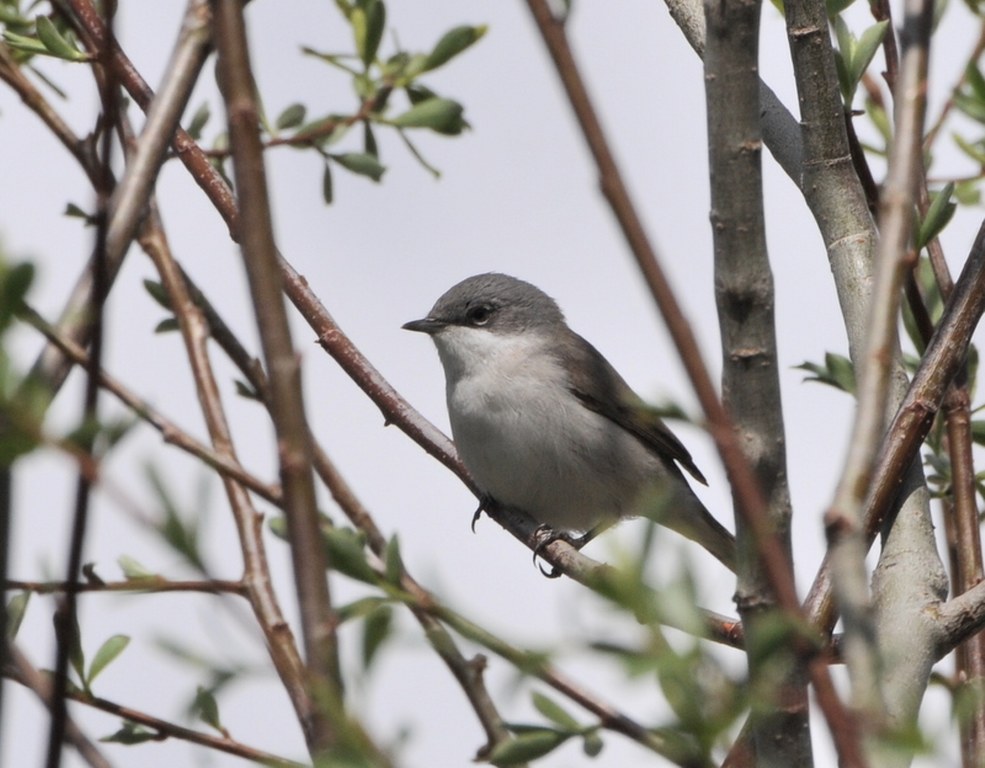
{"points": [[532, 445]]}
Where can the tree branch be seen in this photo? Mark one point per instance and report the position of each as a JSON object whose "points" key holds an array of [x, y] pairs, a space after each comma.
{"points": [[134, 189], [91, 307], [25, 673], [750, 382], [286, 401]]}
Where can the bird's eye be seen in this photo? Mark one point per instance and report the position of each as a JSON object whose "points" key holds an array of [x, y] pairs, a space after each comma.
{"points": [[479, 314]]}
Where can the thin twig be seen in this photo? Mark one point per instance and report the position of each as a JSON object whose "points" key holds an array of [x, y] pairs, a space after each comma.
{"points": [[943, 359], [66, 612], [287, 410], [843, 519], [139, 584], [263, 600], [25, 673], [29, 676], [83, 151], [169, 430], [130, 198]]}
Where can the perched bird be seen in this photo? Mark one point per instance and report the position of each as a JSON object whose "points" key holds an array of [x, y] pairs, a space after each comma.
{"points": [[546, 425]]}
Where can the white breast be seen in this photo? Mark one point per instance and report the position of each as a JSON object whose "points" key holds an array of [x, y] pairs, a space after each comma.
{"points": [[528, 441]]}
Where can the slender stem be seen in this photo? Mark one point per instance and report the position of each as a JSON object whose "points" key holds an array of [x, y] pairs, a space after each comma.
{"points": [[194, 329], [142, 584], [843, 519], [745, 299], [260, 258], [170, 431], [25, 673], [66, 613], [609, 716], [21, 670], [130, 198]]}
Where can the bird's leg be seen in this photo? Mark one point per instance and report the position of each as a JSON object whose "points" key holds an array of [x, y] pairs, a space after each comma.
{"points": [[546, 535], [484, 502], [591, 533]]}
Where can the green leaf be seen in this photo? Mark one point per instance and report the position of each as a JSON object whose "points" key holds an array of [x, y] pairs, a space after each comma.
{"points": [[245, 390], [368, 20], [133, 570], [74, 211], [199, 120], [181, 533], [292, 116], [15, 282], [865, 49], [394, 563], [974, 150], [834, 7], [438, 114], [527, 746], [360, 608], [843, 57], [968, 192], [377, 629], [938, 215], [24, 43], [16, 608], [106, 654], [375, 23], [158, 293], [416, 93], [978, 431], [972, 106], [346, 550], [555, 712], [167, 325], [76, 657], [56, 44], [206, 707], [131, 733], [854, 55], [360, 163], [369, 140], [452, 43], [837, 372], [973, 77], [593, 743], [327, 192]]}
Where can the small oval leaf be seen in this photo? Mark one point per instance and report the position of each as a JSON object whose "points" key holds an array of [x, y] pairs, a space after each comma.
{"points": [[527, 746], [56, 44], [361, 163], [292, 116], [16, 608], [452, 43], [555, 712], [106, 654], [435, 113]]}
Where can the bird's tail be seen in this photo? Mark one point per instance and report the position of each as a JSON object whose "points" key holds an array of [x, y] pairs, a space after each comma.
{"points": [[684, 513]]}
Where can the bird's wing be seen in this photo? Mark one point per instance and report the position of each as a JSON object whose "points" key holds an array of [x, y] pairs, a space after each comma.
{"points": [[600, 387]]}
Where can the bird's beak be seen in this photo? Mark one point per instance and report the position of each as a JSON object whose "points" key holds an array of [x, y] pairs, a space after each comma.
{"points": [[428, 325]]}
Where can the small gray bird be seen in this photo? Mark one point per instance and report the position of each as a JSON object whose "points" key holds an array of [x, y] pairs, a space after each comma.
{"points": [[546, 425]]}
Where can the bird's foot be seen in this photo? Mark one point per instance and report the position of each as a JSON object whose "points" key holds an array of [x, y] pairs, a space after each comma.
{"points": [[546, 535], [484, 502]]}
